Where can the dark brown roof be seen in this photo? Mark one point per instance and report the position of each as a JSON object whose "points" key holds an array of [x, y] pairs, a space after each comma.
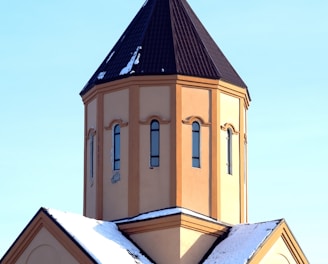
{"points": [[165, 37]]}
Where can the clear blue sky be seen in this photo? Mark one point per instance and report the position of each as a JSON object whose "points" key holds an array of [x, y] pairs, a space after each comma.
{"points": [[49, 49]]}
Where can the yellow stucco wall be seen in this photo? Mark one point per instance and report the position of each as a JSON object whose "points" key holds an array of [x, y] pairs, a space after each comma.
{"points": [[279, 253], [90, 196], [194, 245], [229, 184], [154, 182], [195, 181], [209, 189], [44, 248], [174, 245], [115, 198], [163, 246]]}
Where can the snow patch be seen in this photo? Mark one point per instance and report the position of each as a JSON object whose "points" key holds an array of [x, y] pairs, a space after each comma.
{"points": [[110, 56], [241, 244], [101, 75], [166, 212], [136, 62], [101, 239], [145, 3], [129, 66]]}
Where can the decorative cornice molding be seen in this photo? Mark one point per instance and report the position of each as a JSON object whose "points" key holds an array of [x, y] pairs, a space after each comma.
{"points": [[151, 118], [116, 121], [189, 120], [226, 126], [174, 221]]}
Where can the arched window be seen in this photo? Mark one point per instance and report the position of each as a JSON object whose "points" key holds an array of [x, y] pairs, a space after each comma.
{"points": [[154, 143], [117, 147], [196, 145], [91, 158], [229, 151]]}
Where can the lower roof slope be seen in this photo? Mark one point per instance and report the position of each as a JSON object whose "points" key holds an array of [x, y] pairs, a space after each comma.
{"points": [[241, 243], [102, 240], [165, 37]]}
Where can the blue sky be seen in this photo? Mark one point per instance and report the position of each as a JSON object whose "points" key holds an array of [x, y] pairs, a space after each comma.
{"points": [[49, 50]]}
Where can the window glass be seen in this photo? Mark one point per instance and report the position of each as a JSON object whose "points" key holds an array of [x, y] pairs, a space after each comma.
{"points": [[154, 143], [91, 147], [117, 147], [196, 145], [229, 151]]}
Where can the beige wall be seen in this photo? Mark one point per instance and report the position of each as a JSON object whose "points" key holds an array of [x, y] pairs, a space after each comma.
{"points": [[194, 245], [154, 182], [155, 100], [175, 101], [115, 198], [229, 187], [279, 253], [162, 246], [44, 248], [175, 245], [90, 186], [196, 181]]}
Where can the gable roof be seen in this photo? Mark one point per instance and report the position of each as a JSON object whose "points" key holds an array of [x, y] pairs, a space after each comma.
{"points": [[165, 37], [242, 243], [87, 239], [101, 239], [94, 241]]}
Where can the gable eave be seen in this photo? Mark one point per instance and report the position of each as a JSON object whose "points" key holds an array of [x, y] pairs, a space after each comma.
{"points": [[42, 219], [281, 231]]}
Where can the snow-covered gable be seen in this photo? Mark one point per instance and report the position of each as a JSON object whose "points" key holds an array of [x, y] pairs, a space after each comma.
{"points": [[241, 244], [102, 240]]}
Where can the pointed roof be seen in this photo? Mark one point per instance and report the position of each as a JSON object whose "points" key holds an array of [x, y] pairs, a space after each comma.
{"points": [[164, 38]]}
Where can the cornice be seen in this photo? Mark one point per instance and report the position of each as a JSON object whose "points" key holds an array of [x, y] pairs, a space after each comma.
{"points": [[174, 221]]}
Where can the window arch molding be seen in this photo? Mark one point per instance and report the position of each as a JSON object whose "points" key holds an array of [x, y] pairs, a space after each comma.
{"points": [[149, 119], [191, 119], [226, 126], [91, 132], [115, 122]]}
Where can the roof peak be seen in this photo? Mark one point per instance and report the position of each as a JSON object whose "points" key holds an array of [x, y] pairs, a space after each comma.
{"points": [[165, 37]]}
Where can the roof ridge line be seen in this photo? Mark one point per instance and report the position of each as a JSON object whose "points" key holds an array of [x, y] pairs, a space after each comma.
{"points": [[190, 11]]}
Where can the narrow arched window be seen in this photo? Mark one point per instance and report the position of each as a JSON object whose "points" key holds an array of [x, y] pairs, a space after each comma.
{"points": [[229, 151], [196, 145], [154, 143], [91, 157], [117, 147]]}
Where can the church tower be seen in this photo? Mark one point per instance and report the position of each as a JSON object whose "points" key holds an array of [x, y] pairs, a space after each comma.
{"points": [[165, 122], [165, 158]]}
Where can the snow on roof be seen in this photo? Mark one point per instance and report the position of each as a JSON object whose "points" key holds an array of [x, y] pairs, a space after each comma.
{"points": [[241, 244], [166, 212], [101, 239]]}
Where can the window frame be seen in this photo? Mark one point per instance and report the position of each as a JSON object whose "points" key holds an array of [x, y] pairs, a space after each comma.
{"points": [[116, 147], [229, 150], [91, 153], [154, 146], [195, 138]]}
